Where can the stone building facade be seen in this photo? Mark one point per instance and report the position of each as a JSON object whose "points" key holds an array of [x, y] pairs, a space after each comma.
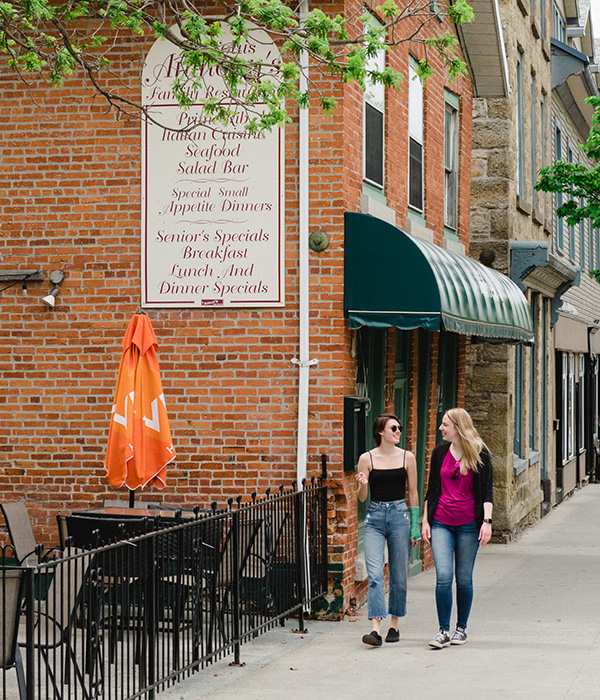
{"points": [[516, 389]]}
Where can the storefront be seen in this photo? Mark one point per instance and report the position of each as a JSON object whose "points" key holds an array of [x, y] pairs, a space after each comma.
{"points": [[434, 300]]}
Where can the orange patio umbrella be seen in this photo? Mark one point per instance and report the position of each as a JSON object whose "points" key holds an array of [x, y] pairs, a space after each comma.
{"points": [[139, 439]]}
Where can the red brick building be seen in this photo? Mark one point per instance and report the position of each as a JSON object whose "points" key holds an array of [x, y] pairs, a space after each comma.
{"points": [[70, 200]]}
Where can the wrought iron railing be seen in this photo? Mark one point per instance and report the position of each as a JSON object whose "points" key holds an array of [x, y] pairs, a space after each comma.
{"points": [[125, 620]]}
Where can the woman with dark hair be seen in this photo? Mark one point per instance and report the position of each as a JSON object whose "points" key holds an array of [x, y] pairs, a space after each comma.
{"points": [[388, 472], [457, 518]]}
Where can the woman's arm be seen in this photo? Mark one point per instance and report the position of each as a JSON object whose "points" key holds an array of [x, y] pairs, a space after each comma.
{"points": [[413, 497], [425, 526], [411, 475], [485, 531], [362, 477]]}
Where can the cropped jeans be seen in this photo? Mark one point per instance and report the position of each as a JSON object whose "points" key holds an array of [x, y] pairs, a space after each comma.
{"points": [[454, 547], [387, 521]]}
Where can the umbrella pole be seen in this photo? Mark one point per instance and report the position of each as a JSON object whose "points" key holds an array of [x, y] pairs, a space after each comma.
{"points": [[131, 498]]}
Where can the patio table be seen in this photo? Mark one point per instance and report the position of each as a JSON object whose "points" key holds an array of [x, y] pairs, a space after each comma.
{"points": [[137, 513]]}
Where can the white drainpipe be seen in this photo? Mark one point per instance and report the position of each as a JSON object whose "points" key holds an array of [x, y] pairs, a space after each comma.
{"points": [[303, 362]]}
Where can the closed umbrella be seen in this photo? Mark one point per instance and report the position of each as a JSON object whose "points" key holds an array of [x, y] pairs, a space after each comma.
{"points": [[139, 439]]}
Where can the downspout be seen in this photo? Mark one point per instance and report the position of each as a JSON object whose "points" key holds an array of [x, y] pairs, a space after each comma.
{"points": [[303, 362]]}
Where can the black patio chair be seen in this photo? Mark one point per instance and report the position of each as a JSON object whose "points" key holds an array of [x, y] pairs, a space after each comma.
{"points": [[123, 573], [26, 549], [55, 623], [260, 588], [10, 611], [221, 579]]}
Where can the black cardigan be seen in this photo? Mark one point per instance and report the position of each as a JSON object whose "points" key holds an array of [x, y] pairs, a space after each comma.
{"points": [[483, 482]]}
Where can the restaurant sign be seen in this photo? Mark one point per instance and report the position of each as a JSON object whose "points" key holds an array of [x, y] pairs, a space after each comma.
{"points": [[212, 198]]}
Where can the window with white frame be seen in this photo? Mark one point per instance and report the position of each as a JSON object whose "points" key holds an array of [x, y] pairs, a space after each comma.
{"points": [[558, 197], [581, 397], [415, 138], [520, 123], [519, 372], [568, 406], [534, 135], [374, 123], [533, 376], [451, 160], [560, 28], [571, 228], [582, 245]]}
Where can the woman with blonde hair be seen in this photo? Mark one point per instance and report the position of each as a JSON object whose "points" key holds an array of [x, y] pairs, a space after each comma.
{"points": [[457, 518]]}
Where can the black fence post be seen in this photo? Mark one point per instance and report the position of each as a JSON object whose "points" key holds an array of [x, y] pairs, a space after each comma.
{"points": [[147, 564], [324, 558], [236, 587], [29, 628]]}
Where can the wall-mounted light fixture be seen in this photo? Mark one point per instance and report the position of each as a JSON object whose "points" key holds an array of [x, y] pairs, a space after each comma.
{"points": [[56, 277]]}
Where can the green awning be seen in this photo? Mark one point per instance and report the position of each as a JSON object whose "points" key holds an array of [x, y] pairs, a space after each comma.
{"points": [[392, 279]]}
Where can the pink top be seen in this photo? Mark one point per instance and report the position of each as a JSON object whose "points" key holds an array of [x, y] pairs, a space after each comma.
{"points": [[457, 502]]}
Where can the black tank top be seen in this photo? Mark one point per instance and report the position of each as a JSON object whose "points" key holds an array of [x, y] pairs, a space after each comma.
{"points": [[387, 484]]}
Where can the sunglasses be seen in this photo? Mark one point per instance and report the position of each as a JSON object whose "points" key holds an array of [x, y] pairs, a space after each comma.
{"points": [[455, 474], [396, 428]]}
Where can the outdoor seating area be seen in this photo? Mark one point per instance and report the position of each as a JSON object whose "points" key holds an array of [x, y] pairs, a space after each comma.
{"points": [[135, 598]]}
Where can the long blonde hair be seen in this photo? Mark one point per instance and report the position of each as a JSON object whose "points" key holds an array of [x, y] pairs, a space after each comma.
{"points": [[470, 440]]}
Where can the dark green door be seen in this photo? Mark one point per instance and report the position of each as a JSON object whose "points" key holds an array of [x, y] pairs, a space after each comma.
{"points": [[424, 379], [401, 371], [370, 377], [447, 377]]}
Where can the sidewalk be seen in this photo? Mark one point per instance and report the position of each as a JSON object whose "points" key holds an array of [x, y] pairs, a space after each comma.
{"points": [[534, 633]]}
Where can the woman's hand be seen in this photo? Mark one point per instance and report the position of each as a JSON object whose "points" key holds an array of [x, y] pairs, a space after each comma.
{"points": [[361, 478], [485, 534], [426, 531]]}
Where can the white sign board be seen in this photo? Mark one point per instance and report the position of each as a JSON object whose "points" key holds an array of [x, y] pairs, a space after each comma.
{"points": [[213, 202]]}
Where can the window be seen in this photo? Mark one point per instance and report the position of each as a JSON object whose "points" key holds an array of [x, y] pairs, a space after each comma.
{"points": [[590, 242], [518, 438], [558, 198], [520, 123], [568, 406], [542, 19], [543, 121], [560, 31], [533, 376], [415, 138], [542, 145], [582, 239], [534, 133], [451, 160], [373, 123], [581, 402], [571, 228]]}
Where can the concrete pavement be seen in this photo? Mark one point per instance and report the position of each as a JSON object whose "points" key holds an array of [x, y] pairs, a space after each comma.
{"points": [[534, 633]]}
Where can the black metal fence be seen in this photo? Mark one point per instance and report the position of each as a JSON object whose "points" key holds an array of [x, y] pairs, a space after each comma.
{"points": [[127, 619]]}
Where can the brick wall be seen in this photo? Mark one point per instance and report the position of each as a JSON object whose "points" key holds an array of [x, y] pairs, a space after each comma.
{"points": [[70, 199]]}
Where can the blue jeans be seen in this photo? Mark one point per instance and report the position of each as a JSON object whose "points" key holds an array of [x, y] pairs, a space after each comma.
{"points": [[454, 544], [387, 521]]}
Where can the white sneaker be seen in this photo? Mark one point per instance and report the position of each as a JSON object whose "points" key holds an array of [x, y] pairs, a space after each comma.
{"points": [[459, 637], [441, 640]]}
